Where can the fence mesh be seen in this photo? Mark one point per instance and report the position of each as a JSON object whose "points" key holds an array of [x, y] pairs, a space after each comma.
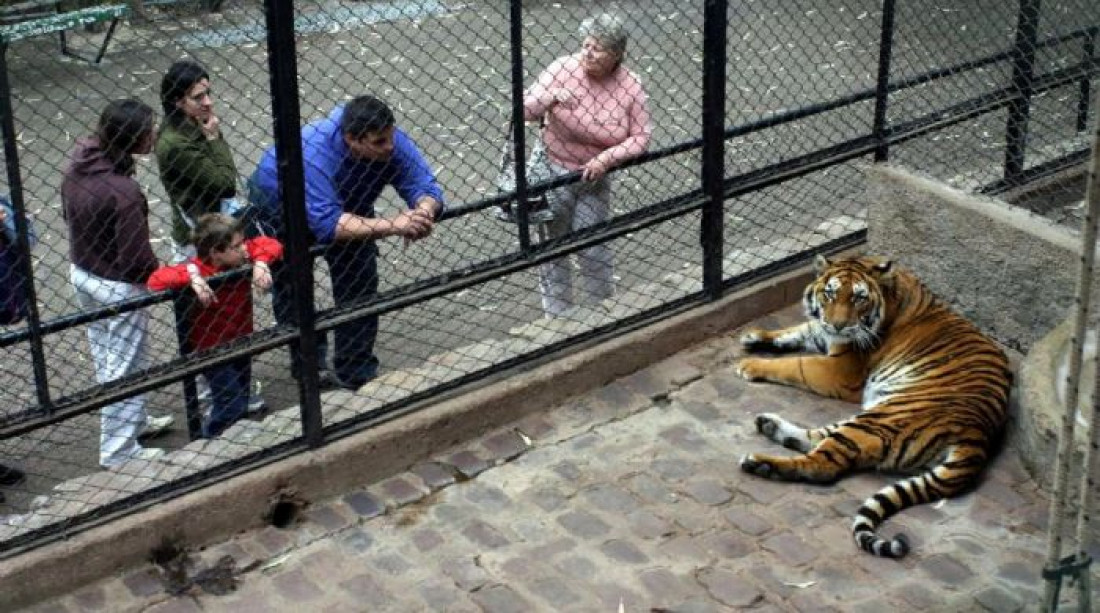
{"points": [[801, 82]]}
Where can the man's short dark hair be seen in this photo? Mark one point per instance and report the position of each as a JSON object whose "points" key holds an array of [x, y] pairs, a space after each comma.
{"points": [[365, 114]]}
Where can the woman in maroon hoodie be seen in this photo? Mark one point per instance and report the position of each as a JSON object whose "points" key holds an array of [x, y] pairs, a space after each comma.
{"points": [[108, 219]]}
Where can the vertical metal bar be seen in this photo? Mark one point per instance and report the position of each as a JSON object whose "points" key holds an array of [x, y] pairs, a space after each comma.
{"points": [[515, 37], [283, 65], [882, 89], [22, 230], [1066, 435], [1087, 52], [1023, 75], [181, 307], [1090, 464], [106, 40], [714, 144]]}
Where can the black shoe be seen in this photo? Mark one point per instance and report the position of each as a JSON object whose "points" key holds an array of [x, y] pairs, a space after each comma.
{"points": [[326, 380], [11, 476], [354, 386]]}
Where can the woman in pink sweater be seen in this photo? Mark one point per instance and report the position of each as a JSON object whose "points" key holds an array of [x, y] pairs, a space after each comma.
{"points": [[596, 117]]}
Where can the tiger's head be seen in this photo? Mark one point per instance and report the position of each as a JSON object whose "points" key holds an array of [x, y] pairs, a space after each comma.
{"points": [[847, 299]]}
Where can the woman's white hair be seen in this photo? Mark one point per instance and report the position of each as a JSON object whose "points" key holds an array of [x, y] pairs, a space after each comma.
{"points": [[608, 30]]}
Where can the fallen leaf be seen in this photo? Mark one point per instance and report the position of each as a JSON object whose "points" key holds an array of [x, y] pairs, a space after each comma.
{"points": [[803, 585], [275, 562]]}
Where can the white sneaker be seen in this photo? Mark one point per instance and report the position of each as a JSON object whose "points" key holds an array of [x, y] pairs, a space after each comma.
{"points": [[156, 425], [148, 454], [255, 400], [144, 453]]}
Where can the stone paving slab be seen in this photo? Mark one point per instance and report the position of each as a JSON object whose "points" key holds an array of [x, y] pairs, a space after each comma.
{"points": [[627, 498]]}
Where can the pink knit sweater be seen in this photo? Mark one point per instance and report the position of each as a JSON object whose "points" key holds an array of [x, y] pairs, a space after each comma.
{"points": [[607, 118]]}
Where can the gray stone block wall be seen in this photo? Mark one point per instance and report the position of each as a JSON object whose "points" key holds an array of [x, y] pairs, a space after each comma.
{"points": [[1008, 270]]}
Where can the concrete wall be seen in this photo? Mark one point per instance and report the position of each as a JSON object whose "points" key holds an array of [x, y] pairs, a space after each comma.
{"points": [[1011, 272]]}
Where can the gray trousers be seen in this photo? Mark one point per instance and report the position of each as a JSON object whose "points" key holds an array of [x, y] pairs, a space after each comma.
{"points": [[577, 206]]}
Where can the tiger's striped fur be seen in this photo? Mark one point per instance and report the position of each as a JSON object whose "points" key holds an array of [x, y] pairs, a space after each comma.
{"points": [[934, 391]]}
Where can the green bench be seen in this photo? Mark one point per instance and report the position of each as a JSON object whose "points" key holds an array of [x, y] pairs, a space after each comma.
{"points": [[37, 17]]}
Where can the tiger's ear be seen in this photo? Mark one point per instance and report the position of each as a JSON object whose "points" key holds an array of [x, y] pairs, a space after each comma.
{"points": [[821, 263], [883, 266]]}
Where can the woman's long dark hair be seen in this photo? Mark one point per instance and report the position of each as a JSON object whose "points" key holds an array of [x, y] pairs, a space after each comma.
{"points": [[180, 78], [123, 125]]}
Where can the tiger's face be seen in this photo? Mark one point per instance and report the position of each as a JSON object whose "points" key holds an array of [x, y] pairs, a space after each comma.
{"points": [[846, 300]]}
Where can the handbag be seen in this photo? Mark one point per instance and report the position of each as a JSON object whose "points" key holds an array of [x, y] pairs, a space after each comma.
{"points": [[538, 169]]}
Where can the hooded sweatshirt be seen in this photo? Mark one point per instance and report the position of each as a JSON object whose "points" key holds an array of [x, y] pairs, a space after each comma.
{"points": [[107, 215]]}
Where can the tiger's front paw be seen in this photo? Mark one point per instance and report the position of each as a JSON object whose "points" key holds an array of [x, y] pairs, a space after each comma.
{"points": [[751, 369], [756, 340], [760, 468]]}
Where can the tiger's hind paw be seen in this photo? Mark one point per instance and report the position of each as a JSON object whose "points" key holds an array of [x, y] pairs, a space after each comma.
{"points": [[751, 465], [767, 424], [779, 431]]}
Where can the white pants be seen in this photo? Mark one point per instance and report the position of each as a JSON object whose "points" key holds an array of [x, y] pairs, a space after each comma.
{"points": [[575, 207], [118, 349]]}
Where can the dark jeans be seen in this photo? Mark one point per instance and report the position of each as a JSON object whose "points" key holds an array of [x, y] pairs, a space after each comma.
{"points": [[267, 220], [353, 267], [283, 307], [230, 385]]}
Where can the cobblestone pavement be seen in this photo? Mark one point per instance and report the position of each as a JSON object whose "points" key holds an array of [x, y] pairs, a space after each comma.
{"points": [[626, 499]]}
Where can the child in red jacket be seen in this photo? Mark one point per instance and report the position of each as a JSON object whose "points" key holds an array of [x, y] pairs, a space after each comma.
{"points": [[224, 314]]}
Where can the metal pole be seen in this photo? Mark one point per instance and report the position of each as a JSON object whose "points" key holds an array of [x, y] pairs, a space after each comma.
{"points": [[882, 90], [1088, 50], [182, 306], [1023, 75], [714, 144], [282, 63], [515, 38], [22, 239], [1052, 571], [1091, 461]]}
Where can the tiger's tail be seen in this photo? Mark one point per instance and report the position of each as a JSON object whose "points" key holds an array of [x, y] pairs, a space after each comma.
{"points": [[956, 474]]}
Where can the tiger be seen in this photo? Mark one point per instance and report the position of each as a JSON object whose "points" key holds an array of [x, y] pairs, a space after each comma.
{"points": [[933, 390]]}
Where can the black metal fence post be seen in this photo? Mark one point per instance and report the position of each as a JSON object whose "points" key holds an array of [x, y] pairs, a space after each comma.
{"points": [[515, 39], [1023, 77], [1088, 52], [22, 231], [882, 89], [714, 144], [282, 62], [182, 307]]}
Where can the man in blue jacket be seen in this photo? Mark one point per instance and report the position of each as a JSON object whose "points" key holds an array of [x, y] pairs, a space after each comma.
{"points": [[349, 157]]}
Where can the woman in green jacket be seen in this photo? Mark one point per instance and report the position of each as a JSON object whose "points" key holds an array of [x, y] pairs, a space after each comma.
{"points": [[196, 165]]}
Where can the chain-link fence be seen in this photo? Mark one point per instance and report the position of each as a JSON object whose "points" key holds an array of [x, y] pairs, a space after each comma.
{"points": [[731, 147]]}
